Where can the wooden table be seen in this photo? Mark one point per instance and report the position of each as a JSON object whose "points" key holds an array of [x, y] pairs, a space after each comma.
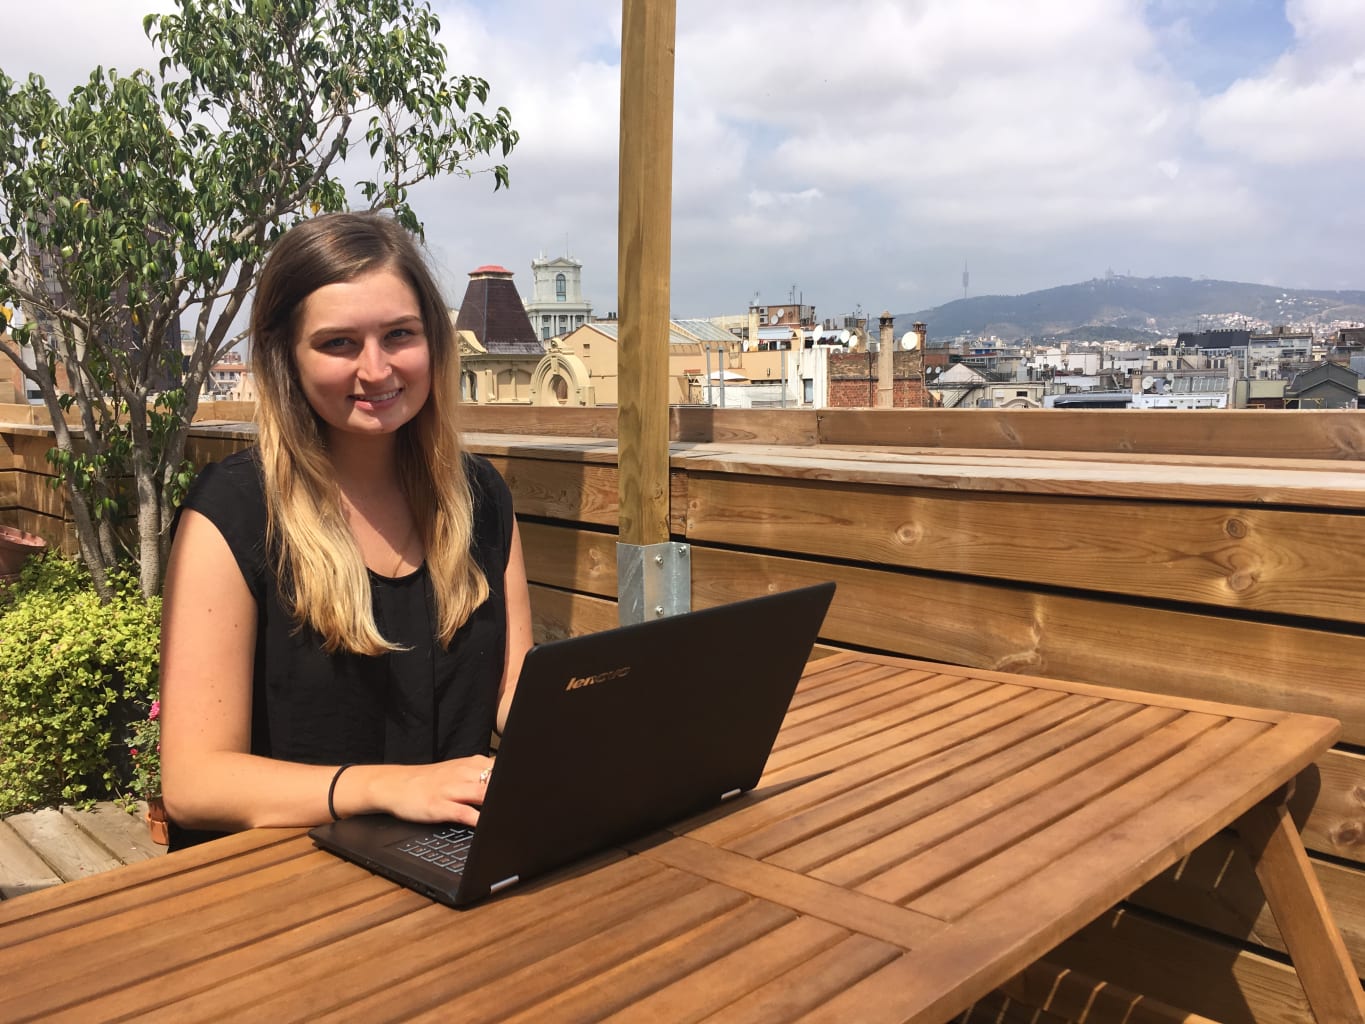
{"points": [[922, 834]]}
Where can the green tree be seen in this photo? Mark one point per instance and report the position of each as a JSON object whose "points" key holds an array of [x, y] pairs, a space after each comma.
{"points": [[151, 200]]}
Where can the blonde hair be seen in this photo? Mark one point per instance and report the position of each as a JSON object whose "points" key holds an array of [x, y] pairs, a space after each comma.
{"points": [[322, 575]]}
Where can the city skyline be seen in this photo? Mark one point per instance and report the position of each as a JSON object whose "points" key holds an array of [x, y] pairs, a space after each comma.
{"points": [[859, 154]]}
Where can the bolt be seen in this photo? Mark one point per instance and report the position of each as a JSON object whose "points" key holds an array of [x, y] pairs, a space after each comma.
{"points": [[658, 559], [658, 610]]}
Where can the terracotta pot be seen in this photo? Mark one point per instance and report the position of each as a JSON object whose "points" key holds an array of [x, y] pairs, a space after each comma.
{"points": [[157, 823], [15, 548]]}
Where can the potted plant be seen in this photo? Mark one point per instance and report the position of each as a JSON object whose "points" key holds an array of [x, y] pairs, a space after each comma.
{"points": [[144, 752], [15, 548]]}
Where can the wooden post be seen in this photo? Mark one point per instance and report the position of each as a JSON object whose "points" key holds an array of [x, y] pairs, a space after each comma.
{"points": [[642, 276]]}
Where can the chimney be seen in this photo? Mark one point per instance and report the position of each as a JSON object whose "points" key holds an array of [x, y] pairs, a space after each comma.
{"points": [[886, 362]]}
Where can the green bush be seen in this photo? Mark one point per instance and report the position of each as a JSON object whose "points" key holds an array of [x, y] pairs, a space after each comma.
{"points": [[74, 674]]}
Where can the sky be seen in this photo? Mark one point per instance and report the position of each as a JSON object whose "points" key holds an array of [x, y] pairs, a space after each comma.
{"points": [[859, 155]]}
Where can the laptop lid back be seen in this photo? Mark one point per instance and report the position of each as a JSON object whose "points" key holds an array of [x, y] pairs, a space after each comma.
{"points": [[614, 734]]}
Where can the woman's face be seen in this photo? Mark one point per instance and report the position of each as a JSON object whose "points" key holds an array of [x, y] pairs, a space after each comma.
{"points": [[362, 354]]}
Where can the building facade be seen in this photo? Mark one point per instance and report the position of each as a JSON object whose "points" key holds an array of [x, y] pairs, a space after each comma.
{"points": [[557, 306], [499, 350]]}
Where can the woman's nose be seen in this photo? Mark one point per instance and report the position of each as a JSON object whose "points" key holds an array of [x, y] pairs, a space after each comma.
{"points": [[374, 361]]}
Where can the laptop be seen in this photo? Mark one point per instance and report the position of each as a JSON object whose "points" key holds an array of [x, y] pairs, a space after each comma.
{"points": [[610, 736]]}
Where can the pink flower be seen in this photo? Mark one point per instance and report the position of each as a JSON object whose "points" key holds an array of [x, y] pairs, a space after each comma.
{"points": [[156, 710], [133, 751]]}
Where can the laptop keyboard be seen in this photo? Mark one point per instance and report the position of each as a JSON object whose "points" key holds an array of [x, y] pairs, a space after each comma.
{"points": [[446, 848]]}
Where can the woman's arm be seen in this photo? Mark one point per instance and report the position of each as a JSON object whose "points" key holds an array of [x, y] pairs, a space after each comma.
{"points": [[209, 777], [518, 595]]}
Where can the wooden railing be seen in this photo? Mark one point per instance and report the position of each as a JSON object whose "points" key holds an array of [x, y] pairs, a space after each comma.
{"points": [[1207, 554]]}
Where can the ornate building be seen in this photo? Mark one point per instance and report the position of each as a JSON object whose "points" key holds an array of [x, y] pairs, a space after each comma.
{"points": [[557, 306], [498, 349]]}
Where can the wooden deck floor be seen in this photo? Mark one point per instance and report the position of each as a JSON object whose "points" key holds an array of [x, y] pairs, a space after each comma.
{"points": [[44, 848]]}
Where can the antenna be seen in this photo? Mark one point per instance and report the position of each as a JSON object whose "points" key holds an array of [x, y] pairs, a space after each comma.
{"points": [[965, 279]]}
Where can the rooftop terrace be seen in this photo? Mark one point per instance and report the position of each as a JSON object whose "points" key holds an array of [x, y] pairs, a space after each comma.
{"points": [[1207, 555]]}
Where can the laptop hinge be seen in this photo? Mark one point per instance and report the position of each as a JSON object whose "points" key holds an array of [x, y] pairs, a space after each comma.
{"points": [[499, 886]]}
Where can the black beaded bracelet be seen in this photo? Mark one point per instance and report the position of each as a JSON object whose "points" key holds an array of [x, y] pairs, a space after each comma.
{"points": [[332, 791]]}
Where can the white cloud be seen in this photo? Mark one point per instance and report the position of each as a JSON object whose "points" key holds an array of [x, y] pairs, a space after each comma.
{"points": [[1307, 107], [860, 151]]}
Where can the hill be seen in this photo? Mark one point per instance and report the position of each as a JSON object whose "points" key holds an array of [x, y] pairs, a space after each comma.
{"points": [[1133, 307]]}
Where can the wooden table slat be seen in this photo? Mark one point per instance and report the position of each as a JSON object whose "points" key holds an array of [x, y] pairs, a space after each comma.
{"points": [[1016, 848], [117, 889], [816, 981], [545, 963], [887, 834], [343, 973], [1144, 697], [167, 986], [937, 732], [143, 947], [821, 707], [1059, 795], [904, 773], [844, 726], [659, 984], [844, 676]]}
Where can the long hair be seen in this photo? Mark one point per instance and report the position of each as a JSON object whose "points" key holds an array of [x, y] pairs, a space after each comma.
{"points": [[323, 580]]}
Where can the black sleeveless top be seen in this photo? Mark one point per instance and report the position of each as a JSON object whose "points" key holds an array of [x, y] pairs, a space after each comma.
{"points": [[424, 704]]}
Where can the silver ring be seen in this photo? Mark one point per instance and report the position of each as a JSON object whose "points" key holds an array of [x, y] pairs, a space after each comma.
{"points": [[485, 775]]}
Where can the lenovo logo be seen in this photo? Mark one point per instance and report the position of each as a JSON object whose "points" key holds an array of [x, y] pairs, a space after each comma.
{"points": [[601, 677]]}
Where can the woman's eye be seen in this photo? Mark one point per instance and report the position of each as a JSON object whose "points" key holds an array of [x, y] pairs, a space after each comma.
{"points": [[333, 343]]}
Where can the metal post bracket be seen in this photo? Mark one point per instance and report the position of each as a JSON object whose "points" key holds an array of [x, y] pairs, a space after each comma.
{"points": [[653, 580]]}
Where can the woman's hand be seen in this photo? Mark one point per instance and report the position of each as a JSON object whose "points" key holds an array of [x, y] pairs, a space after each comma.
{"points": [[442, 792]]}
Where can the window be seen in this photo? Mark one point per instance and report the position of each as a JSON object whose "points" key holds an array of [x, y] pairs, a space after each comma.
{"points": [[561, 288]]}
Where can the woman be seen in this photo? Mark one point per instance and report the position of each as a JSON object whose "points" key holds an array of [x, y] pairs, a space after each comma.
{"points": [[346, 609]]}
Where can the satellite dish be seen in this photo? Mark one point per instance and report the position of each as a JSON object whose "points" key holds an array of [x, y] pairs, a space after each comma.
{"points": [[778, 314], [909, 341], [1148, 383]]}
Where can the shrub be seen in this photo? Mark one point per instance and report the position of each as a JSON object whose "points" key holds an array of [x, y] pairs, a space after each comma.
{"points": [[74, 674]]}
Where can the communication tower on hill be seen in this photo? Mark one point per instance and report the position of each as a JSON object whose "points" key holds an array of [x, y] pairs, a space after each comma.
{"points": [[965, 279]]}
